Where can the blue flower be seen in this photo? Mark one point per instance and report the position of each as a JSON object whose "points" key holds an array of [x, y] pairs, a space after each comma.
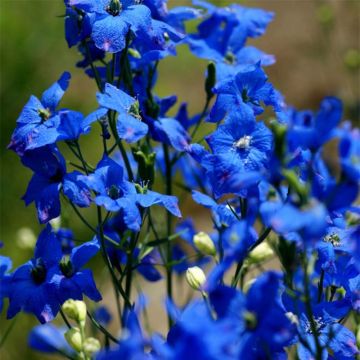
{"points": [[44, 283], [117, 194], [114, 19], [129, 125], [102, 315], [261, 326], [5, 278], [247, 89], [221, 37], [227, 174], [49, 178], [49, 339], [349, 151], [70, 280], [241, 135], [30, 288], [38, 121], [310, 131], [331, 334]]}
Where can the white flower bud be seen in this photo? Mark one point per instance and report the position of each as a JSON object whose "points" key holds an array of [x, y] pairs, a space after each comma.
{"points": [[75, 310], [73, 337], [260, 253], [204, 244], [91, 346], [195, 277], [25, 238]]}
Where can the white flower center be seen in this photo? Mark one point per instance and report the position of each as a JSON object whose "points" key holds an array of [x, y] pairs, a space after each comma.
{"points": [[243, 142]]}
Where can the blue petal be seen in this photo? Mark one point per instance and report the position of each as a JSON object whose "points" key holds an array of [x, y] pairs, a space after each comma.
{"points": [[52, 96], [130, 128], [109, 33], [48, 248], [115, 99], [76, 190], [80, 255]]}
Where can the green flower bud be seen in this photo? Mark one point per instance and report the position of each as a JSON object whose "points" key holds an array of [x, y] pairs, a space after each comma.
{"points": [[91, 346], [204, 244], [134, 53], [56, 223], [195, 277], [75, 310], [73, 337], [210, 80]]}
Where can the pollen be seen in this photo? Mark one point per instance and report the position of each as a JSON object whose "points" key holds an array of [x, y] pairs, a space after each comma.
{"points": [[243, 142]]}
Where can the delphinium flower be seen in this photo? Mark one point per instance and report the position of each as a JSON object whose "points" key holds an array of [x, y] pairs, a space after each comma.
{"points": [[5, 267], [222, 37], [49, 339], [113, 19], [242, 135], [38, 121], [49, 179], [42, 284], [117, 194], [247, 89]]}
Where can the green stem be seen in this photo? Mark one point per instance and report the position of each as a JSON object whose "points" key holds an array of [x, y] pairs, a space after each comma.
{"points": [[169, 292], [102, 329], [261, 238]]}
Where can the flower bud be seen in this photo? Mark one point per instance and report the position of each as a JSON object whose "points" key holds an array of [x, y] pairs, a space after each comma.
{"points": [[91, 346], [73, 337], [25, 238], [260, 253], [204, 244], [195, 277], [75, 310], [56, 223]]}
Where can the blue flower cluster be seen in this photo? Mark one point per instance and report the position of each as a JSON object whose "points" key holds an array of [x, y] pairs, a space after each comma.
{"points": [[260, 171]]}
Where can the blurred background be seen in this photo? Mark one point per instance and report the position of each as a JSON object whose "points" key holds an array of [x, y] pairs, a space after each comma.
{"points": [[316, 44]]}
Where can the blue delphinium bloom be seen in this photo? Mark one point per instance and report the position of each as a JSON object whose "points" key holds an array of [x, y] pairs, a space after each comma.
{"points": [[349, 151], [70, 280], [49, 178], [44, 283], [261, 326], [325, 325], [30, 289], [49, 339], [227, 174], [129, 125], [310, 131], [38, 121], [5, 267], [195, 335], [114, 19], [247, 89], [131, 346], [117, 194], [102, 315], [243, 136], [221, 37]]}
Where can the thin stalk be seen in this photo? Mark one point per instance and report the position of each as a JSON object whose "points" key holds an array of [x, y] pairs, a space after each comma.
{"points": [[101, 328]]}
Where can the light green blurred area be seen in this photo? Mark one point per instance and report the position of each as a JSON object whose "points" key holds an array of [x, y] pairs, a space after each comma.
{"points": [[311, 40]]}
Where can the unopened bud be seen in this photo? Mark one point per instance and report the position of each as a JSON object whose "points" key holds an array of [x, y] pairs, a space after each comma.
{"points": [[56, 223], [25, 238], [204, 244], [73, 337], [195, 277], [91, 346], [260, 253], [75, 310]]}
